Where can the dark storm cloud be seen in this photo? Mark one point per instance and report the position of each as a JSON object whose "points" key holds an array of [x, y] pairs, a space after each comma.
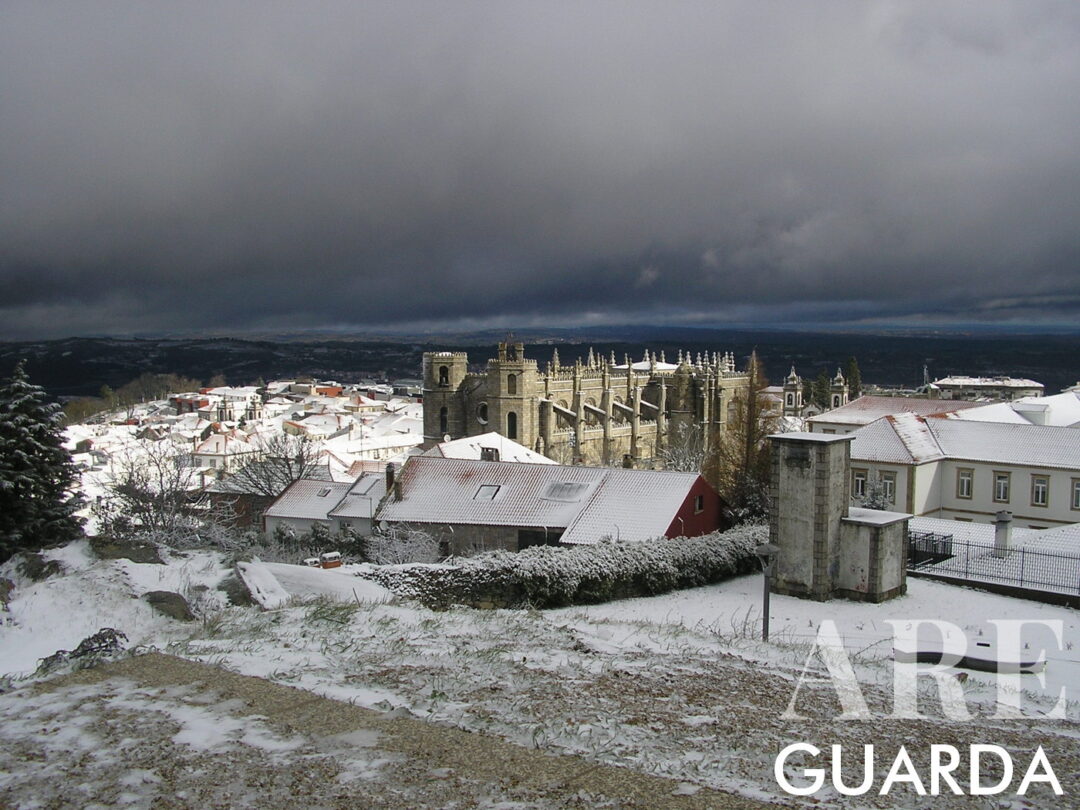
{"points": [[231, 165]]}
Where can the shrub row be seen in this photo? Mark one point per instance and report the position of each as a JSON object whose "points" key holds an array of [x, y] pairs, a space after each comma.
{"points": [[557, 576]]}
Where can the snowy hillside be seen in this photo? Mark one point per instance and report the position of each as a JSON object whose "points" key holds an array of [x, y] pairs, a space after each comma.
{"points": [[676, 685]]}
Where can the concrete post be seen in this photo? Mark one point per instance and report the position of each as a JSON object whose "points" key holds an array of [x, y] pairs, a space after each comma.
{"points": [[1002, 533]]}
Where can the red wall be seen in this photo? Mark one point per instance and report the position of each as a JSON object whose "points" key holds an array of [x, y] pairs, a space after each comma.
{"points": [[693, 525]]}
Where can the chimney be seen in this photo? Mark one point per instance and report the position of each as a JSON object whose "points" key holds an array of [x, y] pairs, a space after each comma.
{"points": [[389, 477], [489, 453], [1002, 533], [397, 490]]}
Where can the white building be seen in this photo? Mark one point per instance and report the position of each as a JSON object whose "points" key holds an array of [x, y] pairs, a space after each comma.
{"points": [[336, 506], [960, 387], [966, 470], [222, 452]]}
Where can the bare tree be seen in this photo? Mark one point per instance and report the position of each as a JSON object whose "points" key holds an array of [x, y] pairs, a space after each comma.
{"points": [[281, 459], [684, 450], [401, 543], [150, 491]]}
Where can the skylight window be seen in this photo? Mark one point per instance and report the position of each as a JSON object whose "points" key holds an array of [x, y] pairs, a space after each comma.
{"points": [[324, 492], [566, 491], [487, 492]]}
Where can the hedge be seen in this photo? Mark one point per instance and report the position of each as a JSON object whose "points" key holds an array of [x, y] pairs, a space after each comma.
{"points": [[558, 576]]}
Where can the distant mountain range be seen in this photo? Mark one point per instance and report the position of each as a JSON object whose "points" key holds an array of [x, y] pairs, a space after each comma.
{"points": [[80, 366]]}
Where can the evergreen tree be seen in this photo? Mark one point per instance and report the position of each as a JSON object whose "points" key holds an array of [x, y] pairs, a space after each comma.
{"points": [[854, 378], [821, 389], [37, 478]]}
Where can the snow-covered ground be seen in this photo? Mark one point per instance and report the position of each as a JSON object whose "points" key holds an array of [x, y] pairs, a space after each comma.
{"points": [[677, 685]]}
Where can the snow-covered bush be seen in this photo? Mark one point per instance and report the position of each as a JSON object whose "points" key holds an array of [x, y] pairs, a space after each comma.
{"points": [[397, 544], [551, 576]]}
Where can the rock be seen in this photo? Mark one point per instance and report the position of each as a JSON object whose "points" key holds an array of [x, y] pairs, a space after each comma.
{"points": [[171, 604], [111, 548], [6, 587], [35, 567], [236, 591]]}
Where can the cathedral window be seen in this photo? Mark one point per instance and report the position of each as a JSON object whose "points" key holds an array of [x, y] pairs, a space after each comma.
{"points": [[482, 413], [444, 375], [444, 420], [511, 425], [511, 384]]}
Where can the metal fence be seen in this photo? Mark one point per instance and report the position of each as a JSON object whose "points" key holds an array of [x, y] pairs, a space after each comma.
{"points": [[1035, 569]]}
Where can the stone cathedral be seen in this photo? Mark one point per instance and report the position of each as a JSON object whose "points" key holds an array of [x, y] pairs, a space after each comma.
{"points": [[595, 411]]}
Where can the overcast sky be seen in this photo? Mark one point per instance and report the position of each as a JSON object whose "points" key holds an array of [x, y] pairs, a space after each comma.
{"points": [[181, 166]]}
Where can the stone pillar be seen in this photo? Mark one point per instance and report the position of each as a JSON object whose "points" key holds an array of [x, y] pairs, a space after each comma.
{"points": [[661, 420], [826, 548], [547, 423], [605, 403], [808, 495]]}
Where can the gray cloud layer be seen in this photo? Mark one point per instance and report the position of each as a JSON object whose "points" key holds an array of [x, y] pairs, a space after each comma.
{"points": [[235, 165]]}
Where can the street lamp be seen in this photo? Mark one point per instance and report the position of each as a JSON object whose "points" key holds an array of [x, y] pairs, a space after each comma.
{"points": [[766, 552]]}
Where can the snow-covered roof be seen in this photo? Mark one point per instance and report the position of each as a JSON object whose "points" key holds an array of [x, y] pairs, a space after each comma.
{"points": [[308, 499], [220, 444], [1060, 410], [648, 365], [470, 447], [235, 392], [986, 382], [362, 498], [874, 517], [867, 409], [909, 439], [631, 505], [589, 502]]}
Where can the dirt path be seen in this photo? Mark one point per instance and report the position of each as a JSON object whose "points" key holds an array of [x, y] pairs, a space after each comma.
{"points": [[162, 732]]}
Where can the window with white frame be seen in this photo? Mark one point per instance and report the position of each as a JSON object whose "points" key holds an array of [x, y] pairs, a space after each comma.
{"points": [[1076, 494], [965, 478], [858, 483], [1040, 490], [888, 486], [1001, 487]]}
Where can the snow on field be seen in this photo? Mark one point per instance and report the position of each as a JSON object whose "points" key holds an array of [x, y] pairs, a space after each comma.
{"points": [[677, 685], [58, 613], [734, 608]]}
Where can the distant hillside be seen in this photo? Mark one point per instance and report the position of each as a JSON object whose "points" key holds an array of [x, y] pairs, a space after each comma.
{"points": [[80, 366]]}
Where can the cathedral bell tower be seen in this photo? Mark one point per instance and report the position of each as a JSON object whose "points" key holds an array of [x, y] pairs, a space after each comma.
{"points": [[512, 394], [444, 373], [793, 394], [838, 391]]}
